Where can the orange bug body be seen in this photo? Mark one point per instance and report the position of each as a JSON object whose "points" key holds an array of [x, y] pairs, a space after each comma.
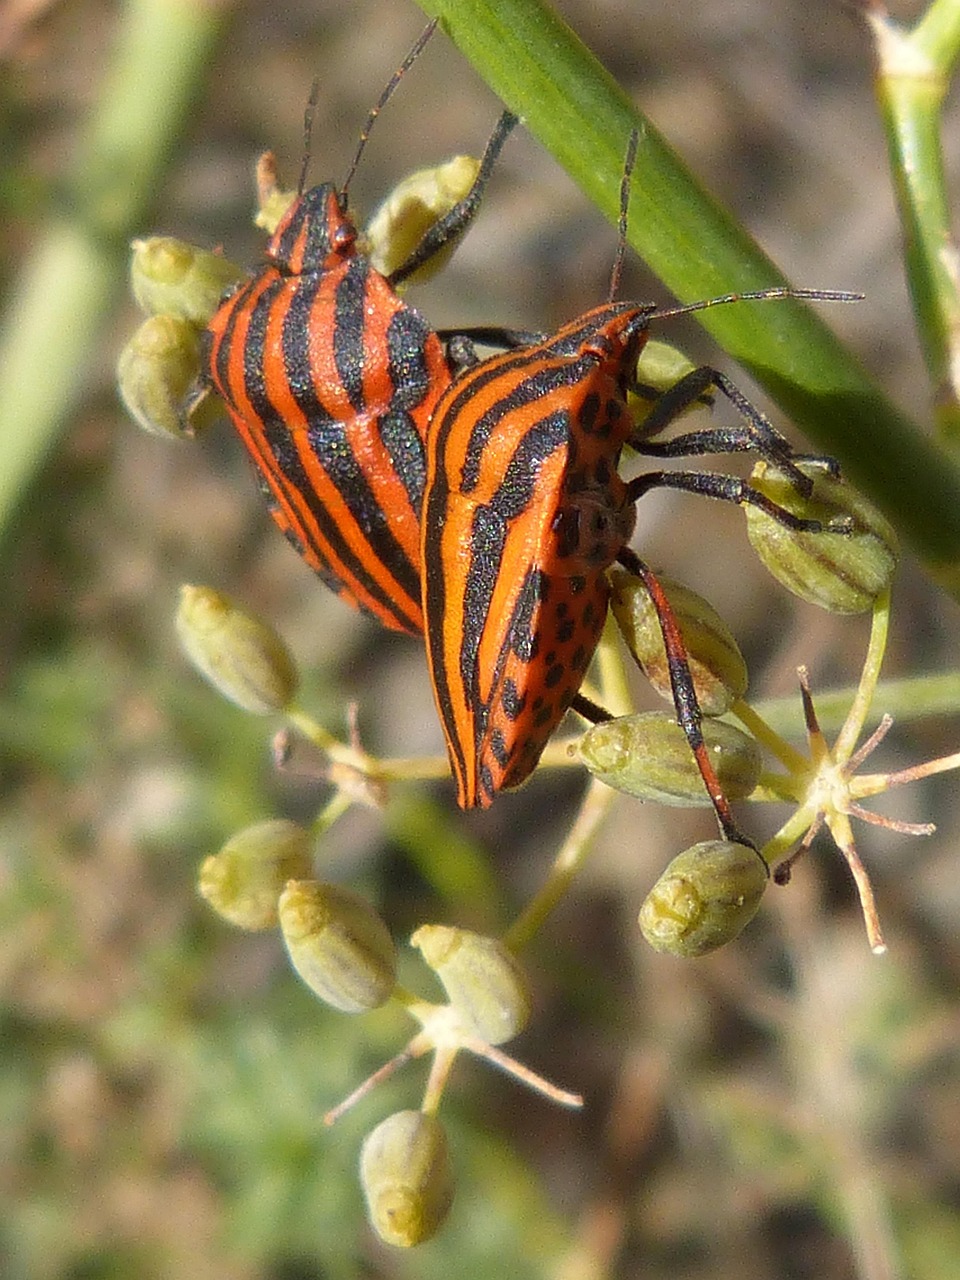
{"points": [[524, 511], [330, 380]]}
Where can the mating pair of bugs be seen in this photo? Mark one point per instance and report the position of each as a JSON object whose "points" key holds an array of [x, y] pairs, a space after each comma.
{"points": [[476, 501]]}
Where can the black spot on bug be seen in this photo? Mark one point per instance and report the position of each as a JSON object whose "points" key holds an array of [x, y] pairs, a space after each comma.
{"points": [[588, 412], [602, 472], [554, 675], [565, 630], [498, 748]]}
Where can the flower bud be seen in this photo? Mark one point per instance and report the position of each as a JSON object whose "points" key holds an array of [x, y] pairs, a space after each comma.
{"points": [[704, 898], [406, 1178], [241, 656], [338, 945], [412, 208], [716, 664], [155, 372], [244, 880], [647, 755], [659, 368], [482, 979], [840, 572], [172, 278], [272, 201]]}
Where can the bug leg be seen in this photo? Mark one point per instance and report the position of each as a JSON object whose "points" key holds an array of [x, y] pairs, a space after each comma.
{"points": [[461, 353], [728, 489], [589, 709], [757, 434], [684, 695], [491, 335], [463, 212]]}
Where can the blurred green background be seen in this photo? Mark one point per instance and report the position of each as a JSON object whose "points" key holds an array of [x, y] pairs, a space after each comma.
{"points": [[786, 1108]]}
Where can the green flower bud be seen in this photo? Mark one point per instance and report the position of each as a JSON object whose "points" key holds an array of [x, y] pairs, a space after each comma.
{"points": [[482, 979], [406, 1178], [704, 898], [716, 664], [156, 371], [272, 201], [647, 755], [241, 656], [840, 572], [338, 945], [659, 368], [172, 278], [411, 209], [244, 880]]}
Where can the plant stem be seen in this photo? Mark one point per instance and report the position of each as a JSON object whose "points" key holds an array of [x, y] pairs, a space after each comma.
{"points": [[60, 300], [913, 75], [576, 110]]}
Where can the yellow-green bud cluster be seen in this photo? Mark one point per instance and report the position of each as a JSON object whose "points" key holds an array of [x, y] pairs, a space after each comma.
{"points": [[179, 287], [406, 1178], [241, 656], [172, 278], [704, 898], [647, 755], [338, 944], [482, 979], [411, 209], [156, 371], [272, 200], [842, 572], [243, 882], [717, 668]]}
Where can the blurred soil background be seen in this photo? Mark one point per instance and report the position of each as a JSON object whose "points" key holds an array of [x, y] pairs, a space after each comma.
{"points": [[785, 1109]]}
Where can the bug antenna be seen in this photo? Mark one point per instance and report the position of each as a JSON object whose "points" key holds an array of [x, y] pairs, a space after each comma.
{"points": [[309, 112], [760, 295], [384, 98], [630, 160]]}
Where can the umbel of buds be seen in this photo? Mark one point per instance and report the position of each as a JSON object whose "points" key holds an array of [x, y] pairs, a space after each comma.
{"points": [[241, 656], [406, 1178], [716, 664], [482, 979], [338, 945], [647, 755], [245, 879], [842, 572], [705, 897]]}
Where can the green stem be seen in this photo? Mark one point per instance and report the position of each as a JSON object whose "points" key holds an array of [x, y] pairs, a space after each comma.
{"points": [[58, 305], [577, 111], [593, 809], [908, 701], [863, 699], [913, 75]]}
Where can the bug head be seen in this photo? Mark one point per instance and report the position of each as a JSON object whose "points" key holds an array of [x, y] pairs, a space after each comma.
{"points": [[314, 234]]}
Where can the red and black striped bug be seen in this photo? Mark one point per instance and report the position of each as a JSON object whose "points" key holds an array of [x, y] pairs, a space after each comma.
{"points": [[524, 511], [330, 380]]}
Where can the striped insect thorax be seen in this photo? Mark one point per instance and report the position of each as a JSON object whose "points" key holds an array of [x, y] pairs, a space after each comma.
{"points": [[523, 512], [330, 380]]}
